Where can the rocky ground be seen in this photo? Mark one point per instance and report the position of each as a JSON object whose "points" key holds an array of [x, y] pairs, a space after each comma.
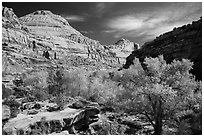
{"points": [[79, 116]]}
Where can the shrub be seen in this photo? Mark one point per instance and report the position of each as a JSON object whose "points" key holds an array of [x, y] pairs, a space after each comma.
{"points": [[13, 104], [93, 86], [107, 127], [39, 94], [6, 92], [20, 92]]}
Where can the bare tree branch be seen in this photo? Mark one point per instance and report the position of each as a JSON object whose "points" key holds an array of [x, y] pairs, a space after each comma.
{"points": [[148, 117]]}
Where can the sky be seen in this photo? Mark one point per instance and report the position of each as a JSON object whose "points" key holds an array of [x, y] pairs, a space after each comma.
{"points": [[108, 22]]}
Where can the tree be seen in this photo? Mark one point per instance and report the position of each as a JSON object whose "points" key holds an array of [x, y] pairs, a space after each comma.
{"points": [[55, 85], [159, 92], [67, 83]]}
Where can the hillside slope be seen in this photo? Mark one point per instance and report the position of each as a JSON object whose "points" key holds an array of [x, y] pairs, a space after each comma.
{"points": [[182, 42], [42, 40]]}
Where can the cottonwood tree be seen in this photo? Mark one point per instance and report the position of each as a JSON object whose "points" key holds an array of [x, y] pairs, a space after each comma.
{"points": [[159, 91]]}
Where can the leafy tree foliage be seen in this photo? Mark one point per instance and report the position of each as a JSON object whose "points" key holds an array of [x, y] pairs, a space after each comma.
{"points": [[159, 92], [94, 86], [101, 88]]}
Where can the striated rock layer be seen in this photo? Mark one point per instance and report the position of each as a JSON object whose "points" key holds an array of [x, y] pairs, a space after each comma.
{"points": [[49, 32], [42, 40], [183, 42], [123, 48], [56, 33]]}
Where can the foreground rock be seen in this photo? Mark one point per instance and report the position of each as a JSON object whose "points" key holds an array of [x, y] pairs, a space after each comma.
{"points": [[6, 113], [47, 122]]}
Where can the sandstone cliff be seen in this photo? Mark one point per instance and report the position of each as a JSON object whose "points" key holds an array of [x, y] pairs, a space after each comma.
{"points": [[123, 48], [42, 39], [183, 42]]}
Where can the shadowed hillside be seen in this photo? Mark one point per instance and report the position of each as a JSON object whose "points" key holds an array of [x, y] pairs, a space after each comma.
{"points": [[182, 42]]}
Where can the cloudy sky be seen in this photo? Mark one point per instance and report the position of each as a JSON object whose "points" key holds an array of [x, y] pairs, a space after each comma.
{"points": [[108, 22]]}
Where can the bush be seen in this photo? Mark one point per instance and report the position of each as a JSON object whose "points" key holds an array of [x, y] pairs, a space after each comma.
{"points": [[13, 104], [101, 88], [6, 92], [39, 94], [106, 127], [94, 86]]}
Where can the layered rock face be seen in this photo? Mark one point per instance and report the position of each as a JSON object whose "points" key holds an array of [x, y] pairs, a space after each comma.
{"points": [[183, 42], [8, 17], [12, 30], [62, 38], [15, 39], [41, 40], [123, 48], [53, 33], [126, 45]]}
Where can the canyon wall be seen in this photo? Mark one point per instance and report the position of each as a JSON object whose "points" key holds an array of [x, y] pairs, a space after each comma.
{"points": [[182, 42]]}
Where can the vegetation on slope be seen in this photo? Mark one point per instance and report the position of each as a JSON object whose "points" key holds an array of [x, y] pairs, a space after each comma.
{"points": [[167, 95]]}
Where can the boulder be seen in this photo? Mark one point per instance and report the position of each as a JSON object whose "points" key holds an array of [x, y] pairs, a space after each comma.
{"points": [[52, 107], [91, 111], [31, 105], [92, 114], [6, 112], [76, 105], [32, 112], [43, 122], [61, 133], [79, 102]]}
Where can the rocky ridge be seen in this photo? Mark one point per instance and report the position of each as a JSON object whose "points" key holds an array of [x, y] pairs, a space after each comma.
{"points": [[182, 42], [41, 40], [47, 25], [123, 48]]}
